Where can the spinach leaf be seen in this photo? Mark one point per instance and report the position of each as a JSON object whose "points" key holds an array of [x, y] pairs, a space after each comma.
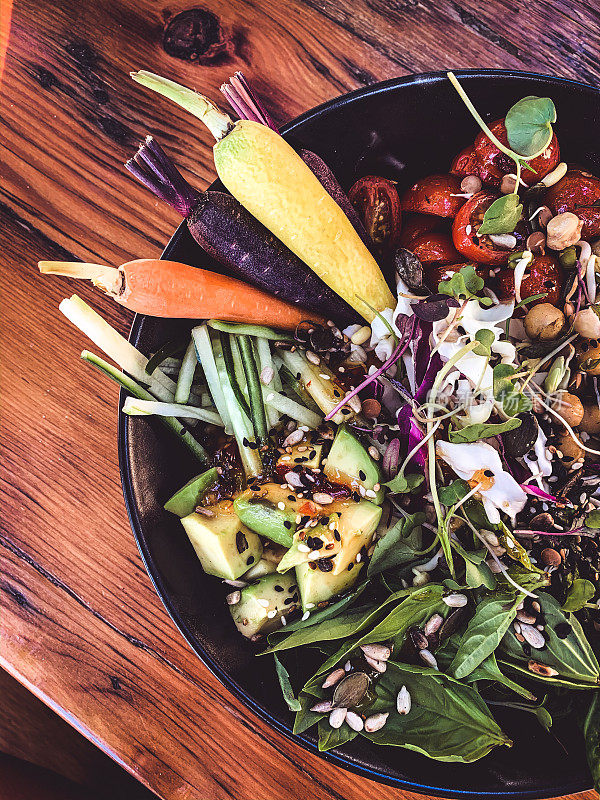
{"points": [[402, 484], [450, 495], [481, 430], [591, 734], [447, 721], [579, 594], [398, 546], [571, 660], [484, 632], [305, 718], [477, 575], [502, 216], [286, 686], [334, 737], [529, 125]]}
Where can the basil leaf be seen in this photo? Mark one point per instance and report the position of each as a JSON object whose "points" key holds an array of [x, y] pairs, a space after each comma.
{"points": [[448, 720], [403, 484], [484, 632], [450, 495], [481, 430], [580, 593], [592, 520], [591, 734], [571, 658], [398, 546], [334, 737], [529, 125], [286, 686], [502, 216]]}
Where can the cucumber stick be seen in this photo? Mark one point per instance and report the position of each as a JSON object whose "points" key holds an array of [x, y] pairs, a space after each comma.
{"points": [[265, 174]]}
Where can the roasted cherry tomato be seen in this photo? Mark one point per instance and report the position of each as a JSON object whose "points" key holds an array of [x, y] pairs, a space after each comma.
{"points": [[436, 248], [490, 164], [415, 225], [578, 192], [378, 205], [436, 194], [464, 232], [434, 273], [544, 274]]}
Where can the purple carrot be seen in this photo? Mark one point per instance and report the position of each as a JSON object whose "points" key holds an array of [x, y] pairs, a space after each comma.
{"points": [[229, 233], [246, 105]]}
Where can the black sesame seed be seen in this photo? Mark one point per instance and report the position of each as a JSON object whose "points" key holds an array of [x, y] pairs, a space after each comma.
{"points": [[356, 497], [278, 588], [288, 600], [250, 560], [336, 393], [287, 524], [300, 460], [350, 565], [241, 542], [245, 442], [325, 564], [324, 521], [312, 454], [337, 536], [292, 588], [488, 473], [362, 475], [291, 498], [345, 411]]}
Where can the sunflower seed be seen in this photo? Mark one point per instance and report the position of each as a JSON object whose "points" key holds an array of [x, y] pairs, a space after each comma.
{"points": [[312, 357], [542, 669], [354, 721], [266, 376], [455, 600], [377, 651], [428, 658], [337, 717], [322, 498], [233, 598], [528, 619], [236, 584], [375, 722], [333, 678], [403, 701], [378, 666], [294, 438], [517, 627], [419, 639], [532, 636], [324, 707], [433, 624]]}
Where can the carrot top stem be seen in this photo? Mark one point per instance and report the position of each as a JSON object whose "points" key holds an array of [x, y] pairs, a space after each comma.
{"points": [[152, 167], [217, 122], [244, 102], [109, 279]]}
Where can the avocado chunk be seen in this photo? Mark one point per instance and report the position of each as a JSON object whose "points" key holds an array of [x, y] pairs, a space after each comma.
{"points": [[334, 544], [226, 548], [350, 464], [270, 512], [305, 454], [184, 501], [263, 604], [271, 556], [317, 587]]}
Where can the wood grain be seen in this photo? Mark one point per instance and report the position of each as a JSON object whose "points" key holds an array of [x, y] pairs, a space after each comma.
{"points": [[82, 626]]}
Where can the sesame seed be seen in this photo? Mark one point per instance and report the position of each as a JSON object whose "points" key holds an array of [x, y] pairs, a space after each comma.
{"points": [[305, 616], [358, 558], [281, 505], [271, 614], [325, 377], [262, 602], [284, 621], [303, 548], [310, 605], [370, 493]]}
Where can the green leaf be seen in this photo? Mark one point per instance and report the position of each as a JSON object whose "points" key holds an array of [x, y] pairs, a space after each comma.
{"points": [[484, 632], [572, 658], [529, 125], [544, 717], [402, 484], [482, 430], [486, 339], [464, 283], [448, 720], [580, 593], [502, 216], [477, 575], [513, 402], [305, 718], [592, 520], [334, 737], [286, 687], [514, 549], [591, 734], [450, 495], [398, 546]]}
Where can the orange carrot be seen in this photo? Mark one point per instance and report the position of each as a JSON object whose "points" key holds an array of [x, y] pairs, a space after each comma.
{"points": [[169, 289]]}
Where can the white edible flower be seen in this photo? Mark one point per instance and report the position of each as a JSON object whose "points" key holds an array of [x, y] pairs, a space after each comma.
{"points": [[479, 463], [540, 466]]}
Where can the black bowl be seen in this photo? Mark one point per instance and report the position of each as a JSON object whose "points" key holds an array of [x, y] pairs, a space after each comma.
{"points": [[403, 128]]}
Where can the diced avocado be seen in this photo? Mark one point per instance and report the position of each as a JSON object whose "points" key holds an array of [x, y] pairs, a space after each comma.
{"points": [[271, 556], [354, 524], [316, 586], [226, 548], [270, 512], [305, 453], [350, 464], [184, 501], [262, 604]]}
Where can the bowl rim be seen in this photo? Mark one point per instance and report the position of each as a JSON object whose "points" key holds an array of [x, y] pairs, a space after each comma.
{"points": [[338, 758]]}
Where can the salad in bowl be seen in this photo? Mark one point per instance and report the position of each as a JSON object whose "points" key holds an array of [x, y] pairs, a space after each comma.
{"points": [[395, 412]]}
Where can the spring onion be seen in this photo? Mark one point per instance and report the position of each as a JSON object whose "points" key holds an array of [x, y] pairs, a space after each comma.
{"points": [[135, 407], [286, 405], [250, 330], [259, 420], [204, 354], [186, 374]]}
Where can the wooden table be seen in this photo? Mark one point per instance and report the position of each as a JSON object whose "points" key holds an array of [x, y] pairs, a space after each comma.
{"points": [[82, 626]]}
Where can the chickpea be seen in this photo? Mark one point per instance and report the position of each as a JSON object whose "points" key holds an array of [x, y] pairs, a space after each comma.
{"points": [[544, 321], [563, 230], [591, 419], [587, 324], [569, 448], [588, 357], [570, 407]]}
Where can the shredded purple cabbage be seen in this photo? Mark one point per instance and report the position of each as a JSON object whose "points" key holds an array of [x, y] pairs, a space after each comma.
{"points": [[412, 433], [535, 490]]}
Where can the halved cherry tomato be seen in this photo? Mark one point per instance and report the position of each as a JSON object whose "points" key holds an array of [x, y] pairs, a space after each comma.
{"points": [[578, 192], [434, 273], [466, 225], [436, 248], [378, 205], [490, 164], [544, 274], [435, 194], [415, 225]]}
